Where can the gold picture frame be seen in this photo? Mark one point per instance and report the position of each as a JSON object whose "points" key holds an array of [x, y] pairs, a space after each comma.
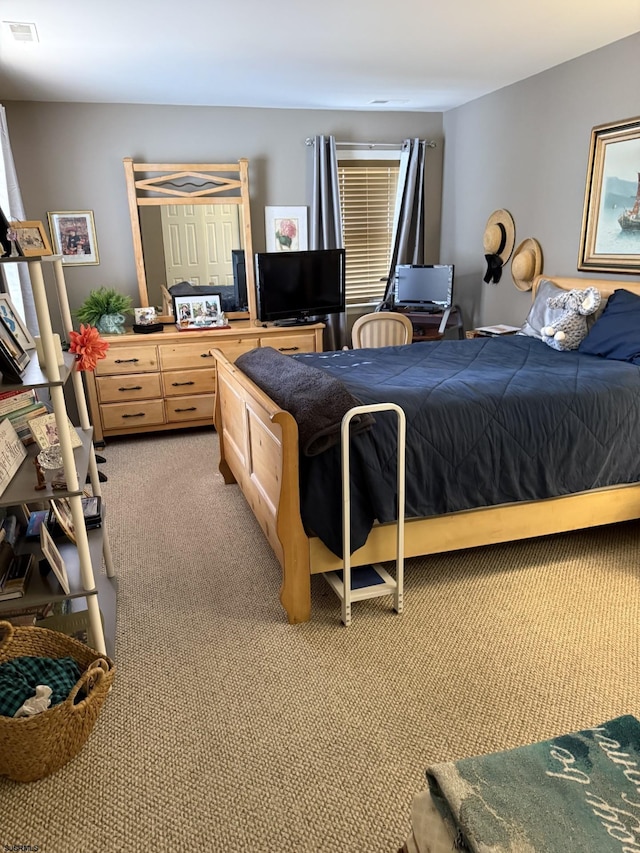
{"points": [[73, 233], [610, 235], [31, 238]]}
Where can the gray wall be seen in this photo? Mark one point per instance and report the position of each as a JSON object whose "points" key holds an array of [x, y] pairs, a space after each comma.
{"points": [[525, 148], [69, 157]]}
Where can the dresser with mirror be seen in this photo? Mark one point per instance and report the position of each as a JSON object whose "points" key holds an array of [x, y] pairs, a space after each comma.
{"points": [[189, 223]]}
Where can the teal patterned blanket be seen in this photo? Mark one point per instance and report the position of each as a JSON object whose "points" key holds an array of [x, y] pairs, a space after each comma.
{"points": [[577, 793]]}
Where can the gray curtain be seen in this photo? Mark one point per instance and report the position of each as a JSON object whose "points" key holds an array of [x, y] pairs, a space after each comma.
{"points": [[326, 222], [408, 232], [16, 276]]}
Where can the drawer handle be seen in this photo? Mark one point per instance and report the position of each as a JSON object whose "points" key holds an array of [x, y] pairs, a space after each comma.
{"points": [[137, 415], [205, 355], [288, 349], [127, 360], [190, 409], [178, 384], [131, 388]]}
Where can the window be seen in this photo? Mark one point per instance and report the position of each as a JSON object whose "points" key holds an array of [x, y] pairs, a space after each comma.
{"points": [[367, 203]]}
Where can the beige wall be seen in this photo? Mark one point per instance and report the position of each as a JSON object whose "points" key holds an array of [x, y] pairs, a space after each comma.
{"points": [[525, 148], [69, 157]]}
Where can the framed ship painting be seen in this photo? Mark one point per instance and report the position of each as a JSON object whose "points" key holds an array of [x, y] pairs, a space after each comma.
{"points": [[610, 238]]}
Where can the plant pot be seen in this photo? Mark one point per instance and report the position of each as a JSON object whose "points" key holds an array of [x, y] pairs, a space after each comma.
{"points": [[111, 324]]}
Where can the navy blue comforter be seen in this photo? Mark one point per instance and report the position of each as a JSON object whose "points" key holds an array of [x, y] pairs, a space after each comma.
{"points": [[489, 421]]}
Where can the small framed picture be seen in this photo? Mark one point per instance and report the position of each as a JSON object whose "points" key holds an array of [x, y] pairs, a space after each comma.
{"points": [[145, 316], [15, 323], [44, 429], [13, 358], [62, 512], [54, 558], [286, 229], [73, 233], [197, 312], [30, 238]]}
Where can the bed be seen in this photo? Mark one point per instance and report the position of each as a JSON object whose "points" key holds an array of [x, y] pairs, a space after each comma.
{"points": [[259, 451]]}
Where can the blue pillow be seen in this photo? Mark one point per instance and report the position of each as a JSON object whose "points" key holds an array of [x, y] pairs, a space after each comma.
{"points": [[540, 315], [616, 334]]}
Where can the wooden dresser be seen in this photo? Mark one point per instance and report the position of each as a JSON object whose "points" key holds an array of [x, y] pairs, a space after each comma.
{"points": [[166, 380]]}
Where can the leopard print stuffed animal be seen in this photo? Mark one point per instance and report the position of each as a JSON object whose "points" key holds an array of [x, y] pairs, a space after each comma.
{"points": [[571, 328]]}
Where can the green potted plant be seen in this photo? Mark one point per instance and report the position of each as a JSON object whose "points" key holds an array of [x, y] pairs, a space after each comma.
{"points": [[105, 309]]}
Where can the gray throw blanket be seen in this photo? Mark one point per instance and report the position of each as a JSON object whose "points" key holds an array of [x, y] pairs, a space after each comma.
{"points": [[577, 792], [317, 400]]}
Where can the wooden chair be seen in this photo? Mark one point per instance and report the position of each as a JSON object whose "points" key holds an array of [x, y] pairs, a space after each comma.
{"points": [[381, 329]]}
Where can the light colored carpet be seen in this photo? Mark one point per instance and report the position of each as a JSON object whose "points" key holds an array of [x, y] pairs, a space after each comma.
{"points": [[230, 730]]}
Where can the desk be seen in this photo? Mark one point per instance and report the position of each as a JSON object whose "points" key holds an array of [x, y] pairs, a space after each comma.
{"points": [[432, 327]]}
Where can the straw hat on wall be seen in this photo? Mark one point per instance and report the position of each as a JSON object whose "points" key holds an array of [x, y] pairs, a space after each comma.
{"points": [[526, 263], [498, 240]]}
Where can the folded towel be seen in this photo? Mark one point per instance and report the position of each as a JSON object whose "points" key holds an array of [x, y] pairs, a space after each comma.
{"points": [[577, 792], [317, 400]]}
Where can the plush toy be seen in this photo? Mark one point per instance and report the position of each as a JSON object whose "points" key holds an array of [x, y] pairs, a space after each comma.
{"points": [[570, 328]]}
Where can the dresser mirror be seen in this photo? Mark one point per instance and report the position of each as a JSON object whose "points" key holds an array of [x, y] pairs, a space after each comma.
{"points": [[191, 222]]}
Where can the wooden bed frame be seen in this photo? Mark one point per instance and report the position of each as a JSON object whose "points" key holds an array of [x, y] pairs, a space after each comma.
{"points": [[259, 452]]}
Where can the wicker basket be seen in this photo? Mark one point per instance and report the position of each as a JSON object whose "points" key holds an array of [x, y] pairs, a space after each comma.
{"points": [[34, 747]]}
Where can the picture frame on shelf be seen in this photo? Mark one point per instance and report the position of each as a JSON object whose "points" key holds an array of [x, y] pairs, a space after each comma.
{"points": [[197, 312], [75, 624], [53, 556], [12, 453], [31, 238], [15, 323], [610, 234], [61, 509], [286, 229], [13, 358], [73, 233], [44, 429]]}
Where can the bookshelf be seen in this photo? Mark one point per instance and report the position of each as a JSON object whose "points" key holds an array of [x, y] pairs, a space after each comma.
{"points": [[84, 558]]}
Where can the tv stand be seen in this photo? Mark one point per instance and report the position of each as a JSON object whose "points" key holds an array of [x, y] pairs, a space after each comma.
{"points": [[294, 321], [433, 325]]}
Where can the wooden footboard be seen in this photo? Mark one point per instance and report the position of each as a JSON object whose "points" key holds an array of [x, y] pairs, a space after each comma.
{"points": [[259, 451]]}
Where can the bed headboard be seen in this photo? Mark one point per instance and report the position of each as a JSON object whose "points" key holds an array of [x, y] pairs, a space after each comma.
{"points": [[605, 287]]}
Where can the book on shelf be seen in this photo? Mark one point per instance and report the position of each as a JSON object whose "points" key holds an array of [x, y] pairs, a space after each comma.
{"points": [[45, 431], [75, 624], [9, 528], [16, 400], [14, 583], [497, 330]]}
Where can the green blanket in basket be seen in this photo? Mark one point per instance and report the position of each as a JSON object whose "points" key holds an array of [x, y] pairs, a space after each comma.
{"points": [[20, 677], [577, 793]]}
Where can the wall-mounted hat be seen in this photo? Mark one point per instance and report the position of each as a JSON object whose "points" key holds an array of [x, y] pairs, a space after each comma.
{"points": [[526, 263], [498, 241]]}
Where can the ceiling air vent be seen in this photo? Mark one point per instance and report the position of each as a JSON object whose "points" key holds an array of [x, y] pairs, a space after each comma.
{"points": [[390, 101], [21, 31]]}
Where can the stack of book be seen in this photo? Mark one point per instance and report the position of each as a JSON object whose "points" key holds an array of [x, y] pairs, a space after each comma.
{"points": [[20, 407], [14, 572]]}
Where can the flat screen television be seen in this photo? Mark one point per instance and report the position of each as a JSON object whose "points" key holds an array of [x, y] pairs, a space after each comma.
{"points": [[425, 286], [294, 287]]}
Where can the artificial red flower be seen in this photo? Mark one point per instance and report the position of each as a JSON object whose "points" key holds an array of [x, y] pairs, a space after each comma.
{"points": [[88, 347]]}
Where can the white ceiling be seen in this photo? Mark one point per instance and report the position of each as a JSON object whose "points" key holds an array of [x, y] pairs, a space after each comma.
{"points": [[427, 55]]}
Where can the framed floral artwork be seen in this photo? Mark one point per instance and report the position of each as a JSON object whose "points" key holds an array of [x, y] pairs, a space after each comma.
{"points": [[73, 233], [286, 229], [610, 237]]}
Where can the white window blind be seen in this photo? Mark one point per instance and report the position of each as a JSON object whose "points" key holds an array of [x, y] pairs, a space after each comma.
{"points": [[367, 202]]}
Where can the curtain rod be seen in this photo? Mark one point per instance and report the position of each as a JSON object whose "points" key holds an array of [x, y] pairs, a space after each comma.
{"points": [[394, 145]]}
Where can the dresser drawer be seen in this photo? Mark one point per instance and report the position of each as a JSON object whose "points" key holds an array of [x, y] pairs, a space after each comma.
{"points": [[132, 415], [177, 383], [193, 408], [289, 344], [185, 356], [235, 347], [134, 386], [131, 360]]}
